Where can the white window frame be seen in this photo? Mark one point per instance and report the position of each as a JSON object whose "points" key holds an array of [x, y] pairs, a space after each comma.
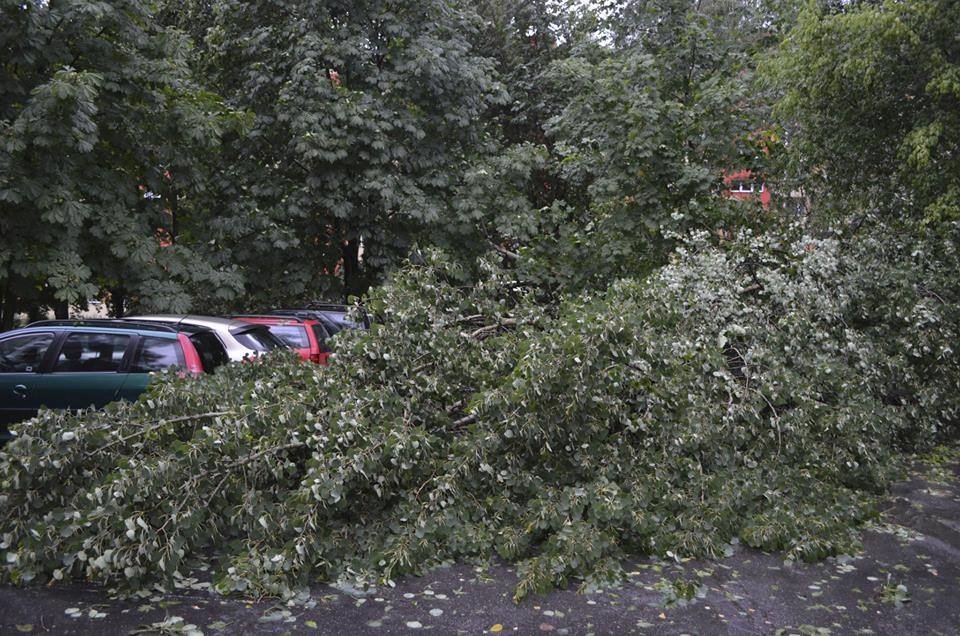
{"points": [[738, 186]]}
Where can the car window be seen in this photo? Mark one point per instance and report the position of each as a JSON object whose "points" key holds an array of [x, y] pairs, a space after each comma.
{"points": [[291, 335], [90, 352], [343, 321], [322, 336], [330, 324], [259, 339], [212, 353], [156, 354], [23, 354]]}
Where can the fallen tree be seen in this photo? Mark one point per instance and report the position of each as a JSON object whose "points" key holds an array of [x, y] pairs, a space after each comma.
{"points": [[757, 390]]}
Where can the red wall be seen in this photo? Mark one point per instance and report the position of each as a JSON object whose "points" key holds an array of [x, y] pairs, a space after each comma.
{"points": [[730, 180]]}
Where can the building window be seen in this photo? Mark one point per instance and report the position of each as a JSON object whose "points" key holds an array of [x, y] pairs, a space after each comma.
{"points": [[746, 187]]}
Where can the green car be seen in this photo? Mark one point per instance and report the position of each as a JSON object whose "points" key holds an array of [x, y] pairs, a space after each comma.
{"points": [[78, 364]]}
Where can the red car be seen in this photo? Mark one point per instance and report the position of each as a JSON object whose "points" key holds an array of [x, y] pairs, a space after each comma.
{"points": [[307, 335]]}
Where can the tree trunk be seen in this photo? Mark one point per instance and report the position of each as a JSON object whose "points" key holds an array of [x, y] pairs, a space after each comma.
{"points": [[118, 298], [352, 284], [174, 210], [35, 313], [8, 307]]}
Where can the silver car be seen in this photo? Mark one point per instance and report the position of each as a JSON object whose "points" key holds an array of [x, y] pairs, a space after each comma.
{"points": [[240, 339]]}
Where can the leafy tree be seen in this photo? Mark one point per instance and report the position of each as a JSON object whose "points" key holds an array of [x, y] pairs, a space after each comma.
{"points": [[523, 38], [102, 131], [364, 114], [871, 92], [652, 109]]}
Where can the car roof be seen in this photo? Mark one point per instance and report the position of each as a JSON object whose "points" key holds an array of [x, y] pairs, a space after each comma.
{"points": [[95, 324], [210, 322]]}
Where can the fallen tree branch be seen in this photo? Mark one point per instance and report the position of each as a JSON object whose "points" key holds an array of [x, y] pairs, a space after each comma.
{"points": [[160, 424], [463, 421], [483, 332], [932, 294], [513, 256], [268, 451], [243, 461]]}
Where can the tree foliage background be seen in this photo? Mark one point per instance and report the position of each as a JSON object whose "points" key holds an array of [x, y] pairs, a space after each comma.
{"points": [[102, 128], [230, 140], [582, 350]]}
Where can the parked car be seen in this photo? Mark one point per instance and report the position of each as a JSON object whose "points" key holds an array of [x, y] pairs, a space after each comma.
{"points": [[72, 364], [335, 318], [242, 340], [307, 335]]}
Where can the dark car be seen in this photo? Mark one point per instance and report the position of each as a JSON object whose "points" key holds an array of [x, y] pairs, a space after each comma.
{"points": [[63, 364], [335, 318]]}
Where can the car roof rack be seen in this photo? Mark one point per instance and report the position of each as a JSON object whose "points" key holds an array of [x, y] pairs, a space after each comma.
{"points": [[315, 304], [297, 313], [313, 314], [176, 327], [290, 317], [191, 329], [107, 323]]}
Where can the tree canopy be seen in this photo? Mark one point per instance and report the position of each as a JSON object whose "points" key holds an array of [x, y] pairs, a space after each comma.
{"points": [[870, 99], [365, 115], [583, 348], [102, 130]]}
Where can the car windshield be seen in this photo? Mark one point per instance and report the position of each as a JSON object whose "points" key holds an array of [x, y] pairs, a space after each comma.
{"points": [[291, 335], [258, 339]]}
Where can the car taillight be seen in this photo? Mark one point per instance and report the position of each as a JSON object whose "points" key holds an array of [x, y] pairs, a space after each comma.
{"points": [[190, 356], [315, 357]]}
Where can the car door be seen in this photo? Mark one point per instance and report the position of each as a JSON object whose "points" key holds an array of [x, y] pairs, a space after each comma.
{"points": [[88, 370], [21, 358], [152, 354]]}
